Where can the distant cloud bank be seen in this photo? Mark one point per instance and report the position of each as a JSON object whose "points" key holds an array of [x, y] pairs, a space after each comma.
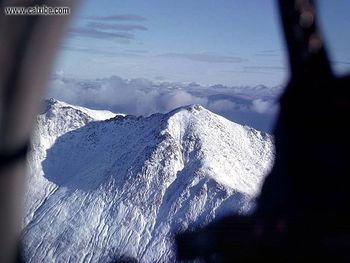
{"points": [[253, 106]]}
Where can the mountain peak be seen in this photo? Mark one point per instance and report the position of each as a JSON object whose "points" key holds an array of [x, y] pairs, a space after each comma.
{"points": [[189, 108], [52, 101], [48, 104], [106, 189], [97, 115]]}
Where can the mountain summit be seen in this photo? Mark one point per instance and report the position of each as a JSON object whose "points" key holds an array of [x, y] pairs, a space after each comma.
{"points": [[104, 186]]}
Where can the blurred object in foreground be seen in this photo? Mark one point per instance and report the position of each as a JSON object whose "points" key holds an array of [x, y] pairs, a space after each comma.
{"points": [[27, 48]]}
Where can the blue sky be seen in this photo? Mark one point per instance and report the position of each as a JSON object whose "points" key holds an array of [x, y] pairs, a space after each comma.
{"points": [[230, 42]]}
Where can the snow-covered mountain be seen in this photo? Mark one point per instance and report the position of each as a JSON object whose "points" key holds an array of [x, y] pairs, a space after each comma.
{"points": [[100, 190]]}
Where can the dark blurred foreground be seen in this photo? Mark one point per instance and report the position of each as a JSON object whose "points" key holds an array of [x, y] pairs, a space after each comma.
{"points": [[303, 212], [27, 48]]}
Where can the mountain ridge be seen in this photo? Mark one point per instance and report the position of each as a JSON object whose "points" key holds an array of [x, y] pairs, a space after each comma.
{"points": [[101, 189]]}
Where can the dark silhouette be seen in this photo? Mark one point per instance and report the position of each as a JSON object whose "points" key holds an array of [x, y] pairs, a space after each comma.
{"points": [[27, 50], [303, 211]]}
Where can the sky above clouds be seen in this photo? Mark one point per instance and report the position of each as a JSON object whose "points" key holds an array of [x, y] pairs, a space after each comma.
{"points": [[210, 42], [235, 43], [231, 42]]}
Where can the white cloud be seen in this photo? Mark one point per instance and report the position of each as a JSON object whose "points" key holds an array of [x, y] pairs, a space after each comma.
{"points": [[178, 98], [137, 97], [144, 97], [221, 105], [262, 106]]}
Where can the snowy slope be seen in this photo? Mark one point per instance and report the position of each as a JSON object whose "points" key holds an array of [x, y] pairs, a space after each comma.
{"points": [[101, 190]]}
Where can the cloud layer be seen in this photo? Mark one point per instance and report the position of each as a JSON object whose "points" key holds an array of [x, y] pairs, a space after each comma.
{"points": [[95, 33], [119, 18], [117, 27], [110, 27], [204, 57], [254, 106]]}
